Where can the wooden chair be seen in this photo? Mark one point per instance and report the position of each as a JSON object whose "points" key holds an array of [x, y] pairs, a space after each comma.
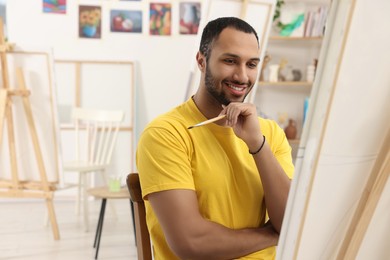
{"points": [[141, 230], [96, 133]]}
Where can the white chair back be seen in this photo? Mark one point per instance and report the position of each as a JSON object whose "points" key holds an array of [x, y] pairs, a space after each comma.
{"points": [[101, 131]]}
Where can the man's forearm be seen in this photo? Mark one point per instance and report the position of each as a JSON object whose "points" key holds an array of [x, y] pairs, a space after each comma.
{"points": [[214, 241], [276, 185], [191, 236]]}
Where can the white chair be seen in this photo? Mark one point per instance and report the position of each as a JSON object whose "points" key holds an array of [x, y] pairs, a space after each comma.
{"points": [[96, 133]]}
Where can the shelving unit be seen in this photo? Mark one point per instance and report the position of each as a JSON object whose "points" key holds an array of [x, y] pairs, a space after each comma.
{"points": [[286, 83], [285, 99], [285, 38]]}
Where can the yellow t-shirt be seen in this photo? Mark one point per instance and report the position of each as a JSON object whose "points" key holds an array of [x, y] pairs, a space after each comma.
{"points": [[212, 161]]}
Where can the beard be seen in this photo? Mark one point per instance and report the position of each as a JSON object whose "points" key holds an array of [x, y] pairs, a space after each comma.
{"points": [[211, 84]]}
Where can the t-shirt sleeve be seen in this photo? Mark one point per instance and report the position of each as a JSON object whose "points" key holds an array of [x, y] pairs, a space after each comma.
{"points": [[282, 149], [163, 161]]}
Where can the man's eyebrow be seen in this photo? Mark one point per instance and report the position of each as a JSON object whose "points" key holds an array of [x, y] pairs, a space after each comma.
{"points": [[236, 56]]}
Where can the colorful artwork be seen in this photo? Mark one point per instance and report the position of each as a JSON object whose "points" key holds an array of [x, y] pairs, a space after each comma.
{"points": [[54, 6], [160, 19], [126, 21], [90, 21], [189, 18]]}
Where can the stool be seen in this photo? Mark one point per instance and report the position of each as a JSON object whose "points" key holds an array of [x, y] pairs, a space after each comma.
{"points": [[104, 193]]}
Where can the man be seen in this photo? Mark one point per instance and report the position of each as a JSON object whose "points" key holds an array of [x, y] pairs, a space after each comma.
{"points": [[206, 195]]}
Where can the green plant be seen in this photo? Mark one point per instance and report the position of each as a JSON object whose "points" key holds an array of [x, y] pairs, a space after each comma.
{"points": [[285, 29], [279, 5]]}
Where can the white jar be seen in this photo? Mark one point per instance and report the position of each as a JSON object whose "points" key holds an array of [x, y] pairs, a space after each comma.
{"points": [[273, 72], [310, 71]]}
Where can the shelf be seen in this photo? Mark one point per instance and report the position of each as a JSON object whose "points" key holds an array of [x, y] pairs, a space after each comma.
{"points": [[287, 38], [286, 83]]}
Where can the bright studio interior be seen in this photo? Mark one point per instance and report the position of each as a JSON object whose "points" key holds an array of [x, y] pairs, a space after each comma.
{"points": [[80, 80]]}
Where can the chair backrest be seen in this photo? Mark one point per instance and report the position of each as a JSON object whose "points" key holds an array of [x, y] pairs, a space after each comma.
{"points": [[141, 230], [96, 145]]}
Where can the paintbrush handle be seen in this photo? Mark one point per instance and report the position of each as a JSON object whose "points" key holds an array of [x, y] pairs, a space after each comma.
{"points": [[211, 120]]}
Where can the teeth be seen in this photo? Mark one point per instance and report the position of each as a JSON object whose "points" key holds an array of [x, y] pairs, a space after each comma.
{"points": [[235, 88]]}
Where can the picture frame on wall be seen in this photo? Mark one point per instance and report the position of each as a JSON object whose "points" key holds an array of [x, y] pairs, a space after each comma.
{"points": [[160, 19], [126, 21], [190, 14], [90, 21], [54, 6]]}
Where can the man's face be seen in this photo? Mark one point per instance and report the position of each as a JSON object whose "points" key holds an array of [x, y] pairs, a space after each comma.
{"points": [[232, 67]]}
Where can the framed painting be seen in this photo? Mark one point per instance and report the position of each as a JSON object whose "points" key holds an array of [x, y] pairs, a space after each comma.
{"points": [[190, 14], [54, 6], [126, 21], [90, 22], [160, 19]]}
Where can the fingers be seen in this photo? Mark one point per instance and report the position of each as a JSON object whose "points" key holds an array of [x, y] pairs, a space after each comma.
{"points": [[231, 114], [236, 110]]}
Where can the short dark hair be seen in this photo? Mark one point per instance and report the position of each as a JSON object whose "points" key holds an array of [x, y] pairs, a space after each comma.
{"points": [[214, 28]]}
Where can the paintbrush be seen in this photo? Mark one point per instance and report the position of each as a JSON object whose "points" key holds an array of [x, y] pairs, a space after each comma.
{"points": [[207, 121]]}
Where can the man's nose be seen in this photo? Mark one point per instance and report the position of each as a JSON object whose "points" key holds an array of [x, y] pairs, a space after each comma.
{"points": [[241, 74]]}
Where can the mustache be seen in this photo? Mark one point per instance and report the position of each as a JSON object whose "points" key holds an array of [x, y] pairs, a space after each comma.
{"points": [[235, 82]]}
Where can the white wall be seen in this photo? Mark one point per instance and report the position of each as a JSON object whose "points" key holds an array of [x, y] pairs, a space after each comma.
{"points": [[164, 61]]}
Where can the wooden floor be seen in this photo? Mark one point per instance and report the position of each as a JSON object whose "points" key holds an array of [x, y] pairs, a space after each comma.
{"points": [[24, 236]]}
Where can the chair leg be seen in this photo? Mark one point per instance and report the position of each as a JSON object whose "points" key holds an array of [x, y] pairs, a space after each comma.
{"points": [[78, 198], [111, 205], [99, 225], [99, 228], [133, 217], [85, 204]]}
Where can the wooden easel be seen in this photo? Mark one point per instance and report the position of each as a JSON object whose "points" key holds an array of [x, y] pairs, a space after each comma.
{"points": [[367, 204], [15, 188]]}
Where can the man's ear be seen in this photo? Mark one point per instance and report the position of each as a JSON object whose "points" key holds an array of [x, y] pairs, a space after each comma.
{"points": [[201, 61]]}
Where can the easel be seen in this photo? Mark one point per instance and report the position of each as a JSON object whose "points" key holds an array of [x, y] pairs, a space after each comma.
{"points": [[15, 188], [367, 204]]}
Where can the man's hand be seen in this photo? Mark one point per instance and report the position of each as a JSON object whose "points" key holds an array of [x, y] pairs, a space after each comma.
{"points": [[242, 117]]}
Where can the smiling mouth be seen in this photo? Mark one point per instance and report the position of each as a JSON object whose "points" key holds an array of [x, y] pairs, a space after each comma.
{"points": [[237, 89]]}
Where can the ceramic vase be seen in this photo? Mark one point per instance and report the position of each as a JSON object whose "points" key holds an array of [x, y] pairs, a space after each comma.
{"points": [[291, 129]]}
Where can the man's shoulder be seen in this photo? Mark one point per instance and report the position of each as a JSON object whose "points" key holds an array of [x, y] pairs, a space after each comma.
{"points": [[168, 129], [176, 118], [268, 124]]}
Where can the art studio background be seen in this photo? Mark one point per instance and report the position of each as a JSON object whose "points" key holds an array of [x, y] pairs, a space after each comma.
{"points": [[139, 55]]}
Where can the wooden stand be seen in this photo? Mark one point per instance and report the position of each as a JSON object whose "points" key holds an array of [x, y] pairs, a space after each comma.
{"points": [[367, 204], [15, 188]]}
